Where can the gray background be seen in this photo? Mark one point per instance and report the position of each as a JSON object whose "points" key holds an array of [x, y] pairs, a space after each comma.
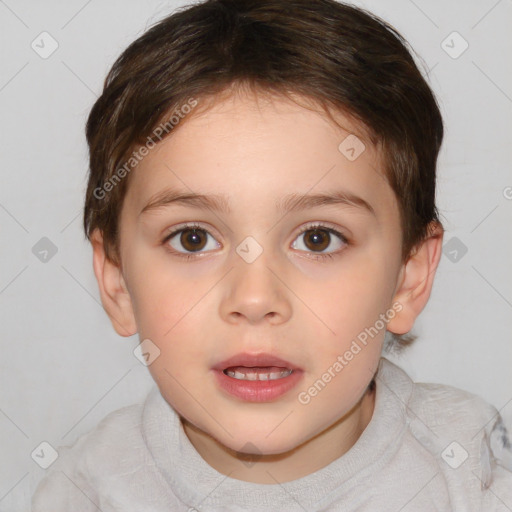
{"points": [[63, 367]]}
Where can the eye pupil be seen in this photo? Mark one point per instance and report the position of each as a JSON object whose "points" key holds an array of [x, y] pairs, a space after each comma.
{"points": [[192, 239], [319, 239]]}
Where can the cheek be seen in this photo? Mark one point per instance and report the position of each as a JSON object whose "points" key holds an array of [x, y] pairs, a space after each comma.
{"points": [[171, 310], [166, 292], [165, 314], [349, 305], [351, 297]]}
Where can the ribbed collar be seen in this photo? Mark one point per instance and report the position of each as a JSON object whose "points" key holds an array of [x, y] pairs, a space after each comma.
{"points": [[196, 483]]}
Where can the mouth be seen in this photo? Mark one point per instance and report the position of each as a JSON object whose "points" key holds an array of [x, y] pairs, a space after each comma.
{"points": [[257, 373], [250, 366], [257, 377]]}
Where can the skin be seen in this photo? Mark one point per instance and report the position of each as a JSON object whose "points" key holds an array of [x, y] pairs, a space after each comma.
{"points": [[202, 310]]}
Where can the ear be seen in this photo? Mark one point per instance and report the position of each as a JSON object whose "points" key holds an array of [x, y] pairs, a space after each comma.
{"points": [[416, 279], [113, 291]]}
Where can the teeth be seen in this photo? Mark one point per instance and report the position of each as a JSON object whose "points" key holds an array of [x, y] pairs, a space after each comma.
{"points": [[258, 376]]}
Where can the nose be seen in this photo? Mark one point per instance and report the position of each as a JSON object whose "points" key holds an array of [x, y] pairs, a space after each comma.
{"points": [[256, 292]]}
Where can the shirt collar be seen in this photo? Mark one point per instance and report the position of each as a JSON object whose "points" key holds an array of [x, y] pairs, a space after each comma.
{"points": [[197, 483]]}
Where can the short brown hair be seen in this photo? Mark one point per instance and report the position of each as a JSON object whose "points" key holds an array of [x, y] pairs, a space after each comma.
{"points": [[342, 57]]}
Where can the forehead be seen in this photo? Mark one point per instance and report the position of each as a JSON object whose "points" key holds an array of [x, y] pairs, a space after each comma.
{"points": [[245, 146]]}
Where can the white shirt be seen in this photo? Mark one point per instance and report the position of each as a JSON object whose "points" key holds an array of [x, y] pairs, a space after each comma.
{"points": [[428, 447]]}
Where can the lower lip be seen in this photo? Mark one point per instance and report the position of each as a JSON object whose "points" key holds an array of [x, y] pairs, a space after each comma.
{"points": [[258, 390]]}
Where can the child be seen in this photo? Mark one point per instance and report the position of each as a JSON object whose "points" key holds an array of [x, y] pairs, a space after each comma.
{"points": [[261, 205]]}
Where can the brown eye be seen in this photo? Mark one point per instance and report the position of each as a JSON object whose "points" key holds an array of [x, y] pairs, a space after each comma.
{"points": [[317, 239], [191, 239]]}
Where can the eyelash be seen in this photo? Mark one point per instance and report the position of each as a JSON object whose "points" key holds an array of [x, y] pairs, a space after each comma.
{"points": [[309, 227]]}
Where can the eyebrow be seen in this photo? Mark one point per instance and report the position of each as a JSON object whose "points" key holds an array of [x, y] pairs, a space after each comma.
{"points": [[290, 203]]}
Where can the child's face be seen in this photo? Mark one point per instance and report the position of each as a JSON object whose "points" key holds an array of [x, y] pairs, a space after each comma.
{"points": [[287, 302]]}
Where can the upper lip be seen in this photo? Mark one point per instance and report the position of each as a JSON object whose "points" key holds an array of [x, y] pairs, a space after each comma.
{"points": [[261, 360]]}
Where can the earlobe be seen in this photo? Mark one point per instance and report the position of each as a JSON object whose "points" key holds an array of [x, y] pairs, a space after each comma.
{"points": [[113, 291], [416, 280]]}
